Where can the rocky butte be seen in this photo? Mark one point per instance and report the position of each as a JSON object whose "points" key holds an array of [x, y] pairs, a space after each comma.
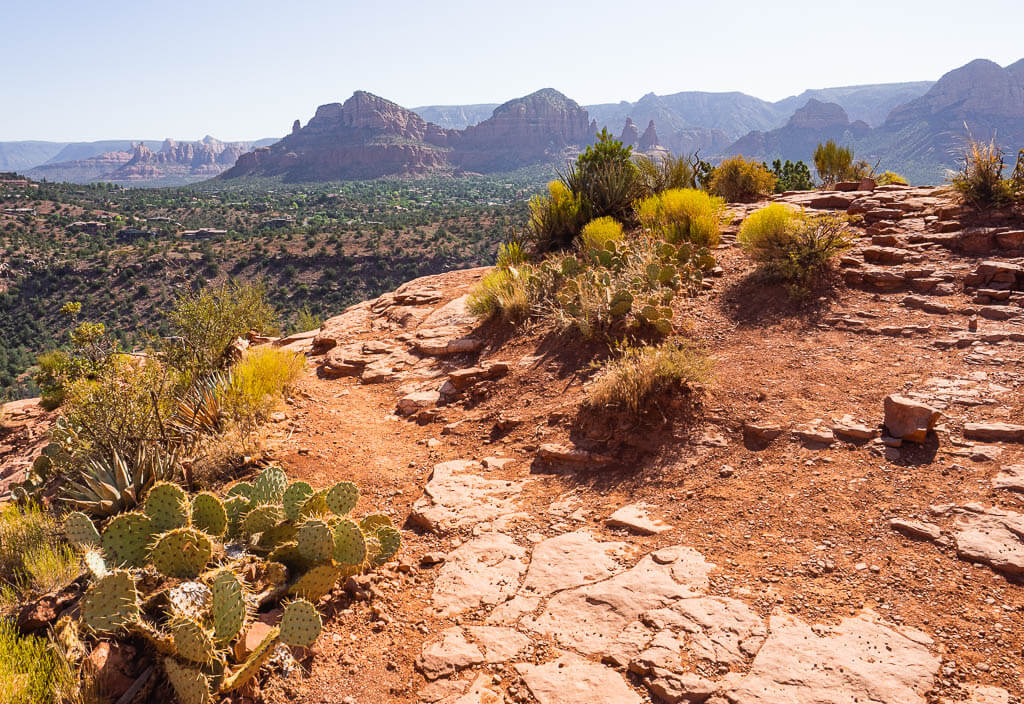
{"points": [[368, 136]]}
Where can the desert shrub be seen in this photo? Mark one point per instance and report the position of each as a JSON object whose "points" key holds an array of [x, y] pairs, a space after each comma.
{"points": [[740, 181], [119, 410], [640, 375], [555, 219], [503, 292], [90, 353], [204, 323], [979, 178], [606, 178], [258, 381], [30, 671], [683, 215], [597, 233], [663, 174], [511, 254], [792, 247], [790, 176], [1017, 178], [33, 558], [306, 320], [890, 177], [835, 163]]}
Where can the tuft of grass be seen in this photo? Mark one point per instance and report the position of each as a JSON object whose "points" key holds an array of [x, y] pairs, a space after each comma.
{"points": [[30, 672], [50, 567], [504, 293], [683, 215], [23, 529], [980, 176], [259, 380], [599, 232], [511, 254], [640, 375]]}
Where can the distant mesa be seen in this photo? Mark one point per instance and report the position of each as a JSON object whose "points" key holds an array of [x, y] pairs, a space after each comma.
{"points": [[368, 136]]}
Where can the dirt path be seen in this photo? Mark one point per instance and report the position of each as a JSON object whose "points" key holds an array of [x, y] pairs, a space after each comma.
{"points": [[767, 568]]}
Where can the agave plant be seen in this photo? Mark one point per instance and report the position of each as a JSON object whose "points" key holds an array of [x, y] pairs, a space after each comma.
{"points": [[105, 487], [201, 410]]}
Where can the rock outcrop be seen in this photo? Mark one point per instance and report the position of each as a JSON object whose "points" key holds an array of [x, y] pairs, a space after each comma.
{"points": [[630, 133], [815, 122], [649, 139]]}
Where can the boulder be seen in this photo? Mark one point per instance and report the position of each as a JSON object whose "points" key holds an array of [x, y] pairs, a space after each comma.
{"points": [[908, 419]]}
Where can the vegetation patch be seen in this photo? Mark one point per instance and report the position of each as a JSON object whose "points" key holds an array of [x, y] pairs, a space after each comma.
{"points": [[639, 377]]}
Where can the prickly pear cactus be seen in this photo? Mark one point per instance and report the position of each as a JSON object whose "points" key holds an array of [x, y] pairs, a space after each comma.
{"points": [[80, 530], [295, 497], [167, 506], [190, 600], [111, 603], [315, 541], [209, 515], [248, 669], [260, 519], [182, 553], [342, 498], [316, 582], [269, 487], [349, 543], [190, 684], [300, 624], [390, 540], [228, 608], [95, 563], [126, 539], [370, 524]]}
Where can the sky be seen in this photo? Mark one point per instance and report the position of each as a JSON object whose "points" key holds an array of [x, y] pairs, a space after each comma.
{"points": [[246, 69]]}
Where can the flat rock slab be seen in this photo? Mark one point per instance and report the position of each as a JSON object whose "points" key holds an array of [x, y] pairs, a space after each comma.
{"points": [[570, 560], [857, 661], [590, 618], [715, 629], [572, 680], [448, 654], [499, 644], [993, 537], [636, 518], [483, 572], [455, 498], [994, 432], [1011, 478], [979, 694]]}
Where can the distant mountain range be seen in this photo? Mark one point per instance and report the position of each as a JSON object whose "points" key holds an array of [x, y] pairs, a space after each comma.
{"points": [[913, 128]]}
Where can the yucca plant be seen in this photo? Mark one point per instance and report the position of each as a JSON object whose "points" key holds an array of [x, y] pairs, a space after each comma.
{"points": [[201, 410], [108, 486]]}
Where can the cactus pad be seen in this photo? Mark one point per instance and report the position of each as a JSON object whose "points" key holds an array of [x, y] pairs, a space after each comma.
{"points": [[228, 606], [316, 505], [190, 600], [276, 535], [161, 642], [192, 642], [342, 498], [111, 603], [182, 553], [371, 523], [247, 670], [315, 540], [126, 539], [316, 582], [349, 543], [80, 530], [295, 497], [208, 514], [269, 487], [190, 684], [243, 489], [260, 519], [300, 624], [390, 540], [235, 508], [95, 563], [167, 506]]}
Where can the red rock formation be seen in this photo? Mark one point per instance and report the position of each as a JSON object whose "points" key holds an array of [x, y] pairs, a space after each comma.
{"points": [[630, 133], [649, 139]]}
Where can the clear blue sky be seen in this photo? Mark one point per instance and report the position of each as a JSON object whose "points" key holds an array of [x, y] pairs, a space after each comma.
{"points": [[75, 70]]}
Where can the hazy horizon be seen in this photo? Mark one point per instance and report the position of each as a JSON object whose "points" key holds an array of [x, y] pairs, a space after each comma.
{"points": [[242, 71]]}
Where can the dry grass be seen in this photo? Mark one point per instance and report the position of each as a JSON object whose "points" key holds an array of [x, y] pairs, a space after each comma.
{"points": [[34, 559], [980, 177], [640, 376], [259, 380]]}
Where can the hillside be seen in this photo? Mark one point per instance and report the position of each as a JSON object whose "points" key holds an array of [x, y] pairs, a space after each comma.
{"points": [[455, 117], [771, 535]]}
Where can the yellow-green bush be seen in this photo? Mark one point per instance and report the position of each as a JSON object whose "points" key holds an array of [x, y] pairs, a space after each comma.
{"points": [[980, 177], [740, 181], [511, 254], [791, 246], [555, 219], [503, 292], [33, 557], [30, 671], [890, 177], [258, 381], [683, 215], [639, 375], [599, 232]]}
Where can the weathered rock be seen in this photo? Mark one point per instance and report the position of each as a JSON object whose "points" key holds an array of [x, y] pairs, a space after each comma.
{"points": [[908, 419], [417, 401], [636, 518], [482, 572], [456, 498], [498, 643], [113, 667], [849, 428], [553, 452], [994, 432], [572, 680], [590, 617], [448, 654], [761, 432], [857, 661], [1011, 478], [718, 630], [993, 537], [981, 694], [812, 435], [570, 560], [916, 529], [679, 688]]}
